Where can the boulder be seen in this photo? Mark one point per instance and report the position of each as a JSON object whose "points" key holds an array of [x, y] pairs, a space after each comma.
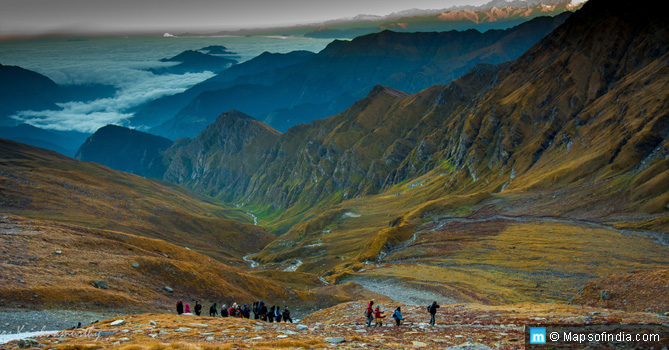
{"points": [[117, 323], [100, 284], [335, 340]]}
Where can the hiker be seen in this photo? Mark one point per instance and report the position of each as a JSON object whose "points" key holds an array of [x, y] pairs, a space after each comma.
{"points": [[224, 311], [378, 316], [232, 311], [263, 311], [256, 314], [238, 312], [270, 314], [397, 315], [180, 307], [286, 315], [432, 309], [198, 308], [187, 309], [370, 313], [212, 310], [277, 314], [246, 312]]}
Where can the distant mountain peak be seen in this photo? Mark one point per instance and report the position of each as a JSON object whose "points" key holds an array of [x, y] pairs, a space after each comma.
{"points": [[380, 89]]}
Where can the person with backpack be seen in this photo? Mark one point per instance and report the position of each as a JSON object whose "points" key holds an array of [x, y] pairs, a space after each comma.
{"points": [[397, 315], [180, 307], [256, 312], [246, 312], [378, 316], [432, 309], [198, 308], [286, 315], [263, 311], [224, 311], [212, 311], [370, 313], [187, 309], [277, 314], [270, 314], [232, 311]]}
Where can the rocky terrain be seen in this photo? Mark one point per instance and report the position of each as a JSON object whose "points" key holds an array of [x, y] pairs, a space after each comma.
{"points": [[458, 326]]}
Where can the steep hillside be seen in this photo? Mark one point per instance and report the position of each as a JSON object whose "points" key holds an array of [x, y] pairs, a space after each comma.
{"points": [[346, 70], [74, 267], [41, 184], [126, 150], [223, 157]]}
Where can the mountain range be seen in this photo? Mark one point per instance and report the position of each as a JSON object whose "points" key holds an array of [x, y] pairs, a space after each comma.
{"points": [[302, 87], [517, 181], [573, 132]]}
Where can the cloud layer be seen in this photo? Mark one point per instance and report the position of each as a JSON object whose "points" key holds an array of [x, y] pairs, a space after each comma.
{"points": [[136, 89]]}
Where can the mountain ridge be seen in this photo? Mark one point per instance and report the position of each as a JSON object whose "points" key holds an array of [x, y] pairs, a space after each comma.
{"points": [[344, 72]]}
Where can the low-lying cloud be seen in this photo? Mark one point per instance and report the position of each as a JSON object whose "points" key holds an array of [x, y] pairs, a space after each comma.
{"points": [[136, 87]]}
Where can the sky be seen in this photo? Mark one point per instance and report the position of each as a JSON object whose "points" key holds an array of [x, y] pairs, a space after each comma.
{"points": [[95, 16]]}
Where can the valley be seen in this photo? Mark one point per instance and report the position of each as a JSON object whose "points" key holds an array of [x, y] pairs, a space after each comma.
{"points": [[530, 189]]}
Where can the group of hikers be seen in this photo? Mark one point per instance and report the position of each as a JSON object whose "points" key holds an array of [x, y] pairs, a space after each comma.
{"points": [[260, 311], [375, 314]]}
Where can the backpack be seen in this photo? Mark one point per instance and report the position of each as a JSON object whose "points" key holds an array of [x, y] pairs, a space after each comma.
{"points": [[429, 308]]}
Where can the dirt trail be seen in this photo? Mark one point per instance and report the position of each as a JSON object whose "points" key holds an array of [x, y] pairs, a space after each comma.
{"points": [[399, 291]]}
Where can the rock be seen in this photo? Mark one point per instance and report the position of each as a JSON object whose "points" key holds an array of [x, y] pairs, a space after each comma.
{"points": [[125, 331], [117, 323], [153, 323], [361, 330], [604, 295], [105, 333], [206, 334], [124, 339], [290, 332], [418, 344], [282, 336], [199, 325], [116, 343], [210, 339], [136, 331], [153, 335], [163, 332], [135, 265], [168, 289], [302, 327], [28, 343], [22, 281], [58, 252], [335, 340], [100, 284], [182, 329], [469, 346]]}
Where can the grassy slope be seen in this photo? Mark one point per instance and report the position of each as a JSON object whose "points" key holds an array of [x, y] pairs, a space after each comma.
{"points": [[41, 184], [36, 276]]}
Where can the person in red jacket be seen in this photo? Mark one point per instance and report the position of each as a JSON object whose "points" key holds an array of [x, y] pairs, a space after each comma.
{"points": [[232, 311], [370, 313], [377, 314]]}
